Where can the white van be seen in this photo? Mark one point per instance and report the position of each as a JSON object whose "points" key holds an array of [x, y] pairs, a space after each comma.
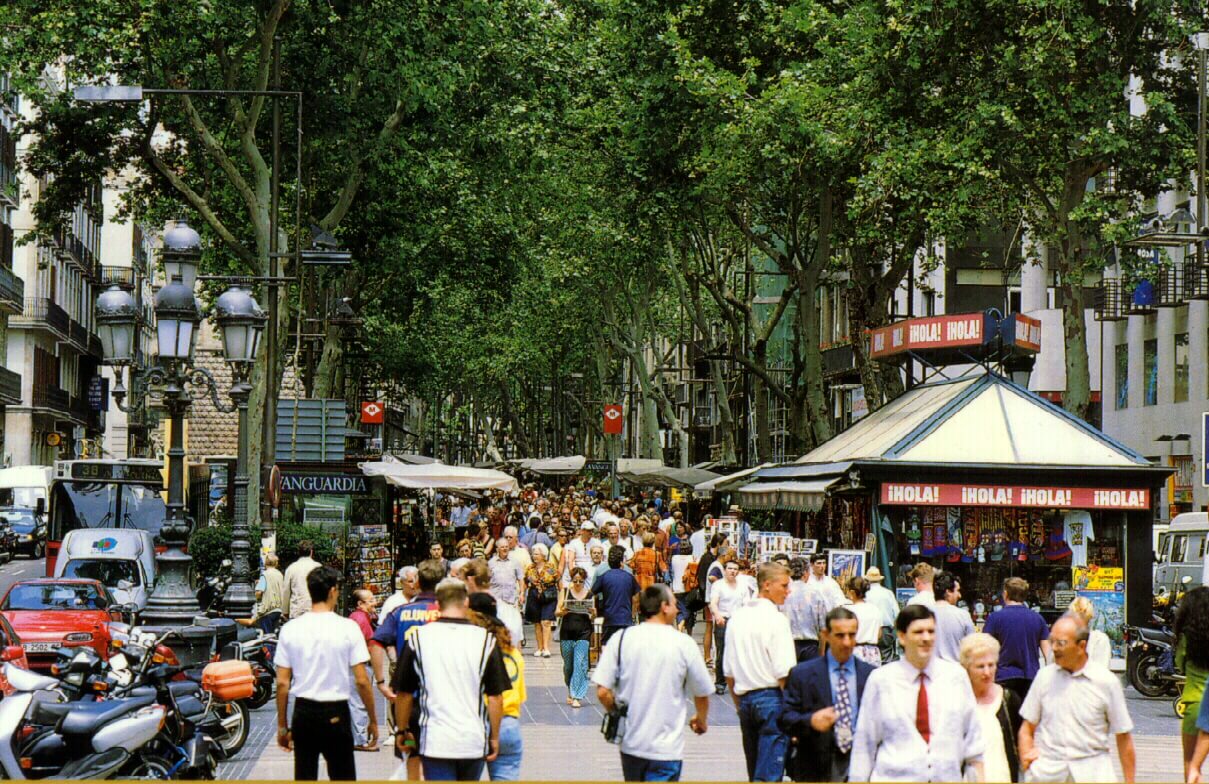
{"points": [[1182, 551], [122, 559], [24, 485]]}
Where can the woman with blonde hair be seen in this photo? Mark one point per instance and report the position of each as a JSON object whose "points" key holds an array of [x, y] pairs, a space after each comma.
{"points": [[1099, 649], [542, 578], [998, 708], [507, 764]]}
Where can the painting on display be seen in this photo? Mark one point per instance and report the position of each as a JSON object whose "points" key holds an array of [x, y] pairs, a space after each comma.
{"points": [[1109, 618], [1099, 578], [843, 564]]}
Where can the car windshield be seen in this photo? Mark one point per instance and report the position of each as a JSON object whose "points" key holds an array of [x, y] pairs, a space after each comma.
{"points": [[18, 518], [106, 571], [55, 596]]}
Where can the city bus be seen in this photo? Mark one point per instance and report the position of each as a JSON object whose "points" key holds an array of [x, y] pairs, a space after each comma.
{"points": [[113, 494]]}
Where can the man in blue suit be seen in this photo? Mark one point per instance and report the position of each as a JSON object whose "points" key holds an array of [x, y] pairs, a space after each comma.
{"points": [[822, 699]]}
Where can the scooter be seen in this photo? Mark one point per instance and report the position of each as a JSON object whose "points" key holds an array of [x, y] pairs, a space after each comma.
{"points": [[42, 736], [1150, 661]]}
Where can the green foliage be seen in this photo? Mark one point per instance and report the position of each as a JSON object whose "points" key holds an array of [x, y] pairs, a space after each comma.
{"points": [[211, 545], [290, 534]]}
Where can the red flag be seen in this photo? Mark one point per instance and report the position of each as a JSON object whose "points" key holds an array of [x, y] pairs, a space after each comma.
{"points": [[613, 420]]}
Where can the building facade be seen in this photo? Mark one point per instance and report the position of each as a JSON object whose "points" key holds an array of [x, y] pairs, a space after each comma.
{"points": [[12, 287]]}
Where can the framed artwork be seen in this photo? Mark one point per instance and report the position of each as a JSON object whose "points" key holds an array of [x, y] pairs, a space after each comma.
{"points": [[843, 564]]}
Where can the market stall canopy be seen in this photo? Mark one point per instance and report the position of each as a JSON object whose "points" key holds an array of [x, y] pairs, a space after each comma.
{"points": [[558, 466], [665, 476], [438, 476], [805, 496], [409, 458], [729, 482], [981, 421]]}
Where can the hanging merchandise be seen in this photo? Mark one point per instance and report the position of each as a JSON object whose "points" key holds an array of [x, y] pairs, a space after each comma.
{"points": [[940, 531], [953, 524], [1056, 548], [1020, 544], [969, 534], [1037, 533], [913, 533]]}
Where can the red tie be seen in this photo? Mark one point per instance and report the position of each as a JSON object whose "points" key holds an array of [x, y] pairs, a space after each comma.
{"points": [[921, 711]]}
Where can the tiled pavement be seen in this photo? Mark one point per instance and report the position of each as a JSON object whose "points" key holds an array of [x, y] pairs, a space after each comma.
{"points": [[564, 743]]}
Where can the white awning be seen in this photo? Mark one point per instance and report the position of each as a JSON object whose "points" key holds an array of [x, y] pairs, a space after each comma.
{"points": [[806, 496], [558, 466], [438, 476]]}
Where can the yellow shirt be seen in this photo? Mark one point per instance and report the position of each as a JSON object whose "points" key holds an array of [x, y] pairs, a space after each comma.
{"points": [[514, 662]]}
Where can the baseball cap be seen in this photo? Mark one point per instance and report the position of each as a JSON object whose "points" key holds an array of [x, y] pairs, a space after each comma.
{"points": [[587, 525]]}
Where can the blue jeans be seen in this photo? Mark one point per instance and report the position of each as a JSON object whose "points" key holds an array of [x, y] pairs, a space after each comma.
{"points": [[764, 745], [507, 764], [436, 769], [641, 769]]}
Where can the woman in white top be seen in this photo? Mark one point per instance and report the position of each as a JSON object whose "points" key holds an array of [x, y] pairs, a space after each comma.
{"points": [[1099, 649], [998, 708], [869, 621]]}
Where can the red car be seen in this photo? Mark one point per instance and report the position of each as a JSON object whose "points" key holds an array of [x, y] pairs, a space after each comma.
{"points": [[49, 613]]}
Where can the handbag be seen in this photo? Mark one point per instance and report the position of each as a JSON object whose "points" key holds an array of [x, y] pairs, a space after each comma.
{"points": [[612, 727], [549, 594]]}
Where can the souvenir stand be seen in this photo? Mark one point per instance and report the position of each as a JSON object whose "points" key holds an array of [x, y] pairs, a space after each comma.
{"points": [[981, 477], [344, 503]]}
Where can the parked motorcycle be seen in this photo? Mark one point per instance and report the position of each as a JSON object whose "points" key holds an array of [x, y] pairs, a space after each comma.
{"points": [[1150, 661], [212, 592], [42, 735]]}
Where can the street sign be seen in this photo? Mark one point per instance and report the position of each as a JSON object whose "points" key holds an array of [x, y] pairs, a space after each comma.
{"points": [[372, 413], [98, 393], [613, 420]]}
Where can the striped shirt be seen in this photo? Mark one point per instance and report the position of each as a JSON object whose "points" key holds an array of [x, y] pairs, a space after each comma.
{"points": [[453, 665]]}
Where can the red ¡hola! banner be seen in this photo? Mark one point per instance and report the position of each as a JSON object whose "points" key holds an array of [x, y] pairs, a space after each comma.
{"points": [[917, 494], [613, 420], [963, 329]]}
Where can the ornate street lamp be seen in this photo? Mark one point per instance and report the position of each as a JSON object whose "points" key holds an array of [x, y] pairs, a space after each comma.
{"points": [[172, 380], [242, 323]]}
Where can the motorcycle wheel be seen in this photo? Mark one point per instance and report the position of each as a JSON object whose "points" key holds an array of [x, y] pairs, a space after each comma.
{"points": [[260, 696], [1179, 706], [237, 722], [149, 767], [1144, 675]]}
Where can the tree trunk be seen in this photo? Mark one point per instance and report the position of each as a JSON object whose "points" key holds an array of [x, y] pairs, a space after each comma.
{"points": [[1076, 398], [759, 394], [726, 419]]}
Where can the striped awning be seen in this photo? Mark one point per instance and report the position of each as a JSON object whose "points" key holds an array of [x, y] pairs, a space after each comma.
{"points": [[803, 496]]}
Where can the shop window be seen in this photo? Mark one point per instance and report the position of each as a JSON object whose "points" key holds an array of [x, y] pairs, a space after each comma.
{"points": [[1150, 373], [1121, 372], [1180, 382]]}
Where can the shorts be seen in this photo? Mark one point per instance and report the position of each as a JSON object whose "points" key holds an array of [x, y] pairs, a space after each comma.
{"points": [[1194, 690]]}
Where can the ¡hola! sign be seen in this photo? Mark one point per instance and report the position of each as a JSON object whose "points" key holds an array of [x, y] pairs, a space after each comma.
{"points": [[917, 494]]}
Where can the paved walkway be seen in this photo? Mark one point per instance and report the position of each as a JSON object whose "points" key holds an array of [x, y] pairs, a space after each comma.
{"points": [[564, 743]]}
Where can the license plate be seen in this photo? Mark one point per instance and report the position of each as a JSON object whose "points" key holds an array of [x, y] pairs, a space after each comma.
{"points": [[40, 647]]}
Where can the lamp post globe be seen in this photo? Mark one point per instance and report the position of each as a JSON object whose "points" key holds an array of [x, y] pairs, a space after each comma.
{"points": [[242, 323], [176, 320], [116, 317], [181, 253]]}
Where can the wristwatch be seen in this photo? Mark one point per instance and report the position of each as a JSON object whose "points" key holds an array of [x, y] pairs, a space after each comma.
{"points": [[381, 681]]}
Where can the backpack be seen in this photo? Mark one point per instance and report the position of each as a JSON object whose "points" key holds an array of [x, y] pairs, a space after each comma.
{"points": [[690, 576]]}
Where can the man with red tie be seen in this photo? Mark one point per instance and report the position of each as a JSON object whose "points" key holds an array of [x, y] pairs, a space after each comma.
{"points": [[918, 718]]}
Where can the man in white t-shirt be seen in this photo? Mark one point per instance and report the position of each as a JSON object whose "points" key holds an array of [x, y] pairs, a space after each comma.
{"points": [[697, 539], [653, 670], [578, 552], [315, 653], [409, 587], [832, 593], [923, 574]]}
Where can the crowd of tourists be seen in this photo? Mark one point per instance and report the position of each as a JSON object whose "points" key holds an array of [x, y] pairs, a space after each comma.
{"points": [[830, 682]]}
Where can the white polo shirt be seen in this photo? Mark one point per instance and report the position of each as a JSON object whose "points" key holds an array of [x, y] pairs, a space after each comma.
{"points": [[759, 647]]}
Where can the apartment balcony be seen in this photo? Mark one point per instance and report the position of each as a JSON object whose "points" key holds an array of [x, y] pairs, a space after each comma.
{"points": [[1143, 299], [10, 387], [1196, 280], [122, 277], [1170, 287], [12, 292], [40, 312], [1110, 301], [83, 414], [52, 398]]}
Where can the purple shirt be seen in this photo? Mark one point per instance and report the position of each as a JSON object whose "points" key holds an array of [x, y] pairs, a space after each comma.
{"points": [[1019, 631]]}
